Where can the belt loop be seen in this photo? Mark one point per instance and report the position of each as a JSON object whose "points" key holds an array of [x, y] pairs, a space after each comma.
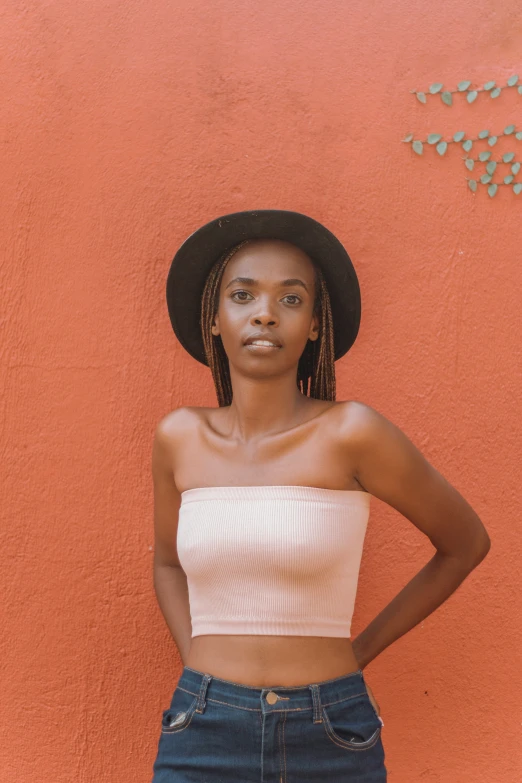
{"points": [[316, 699], [201, 703]]}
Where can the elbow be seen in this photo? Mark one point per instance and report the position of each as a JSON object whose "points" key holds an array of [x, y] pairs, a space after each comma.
{"points": [[484, 548], [478, 551], [473, 555]]}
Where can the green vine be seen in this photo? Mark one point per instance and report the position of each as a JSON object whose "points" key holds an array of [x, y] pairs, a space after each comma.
{"points": [[463, 88], [441, 145]]}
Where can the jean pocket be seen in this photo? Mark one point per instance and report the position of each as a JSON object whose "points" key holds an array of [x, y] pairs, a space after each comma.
{"points": [[179, 715], [352, 723], [374, 710]]}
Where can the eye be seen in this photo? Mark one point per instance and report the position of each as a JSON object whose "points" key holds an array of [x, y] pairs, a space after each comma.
{"points": [[243, 299], [239, 292]]}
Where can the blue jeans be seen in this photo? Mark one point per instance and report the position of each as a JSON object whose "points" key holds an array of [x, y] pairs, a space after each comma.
{"points": [[219, 731]]}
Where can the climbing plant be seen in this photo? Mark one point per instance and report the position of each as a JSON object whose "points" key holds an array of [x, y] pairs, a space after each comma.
{"points": [[463, 88], [441, 145]]}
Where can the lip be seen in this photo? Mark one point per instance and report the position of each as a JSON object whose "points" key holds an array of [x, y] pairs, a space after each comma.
{"points": [[262, 348], [258, 336]]}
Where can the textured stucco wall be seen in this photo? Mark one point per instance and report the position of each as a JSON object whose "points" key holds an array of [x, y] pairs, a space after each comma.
{"points": [[124, 127]]}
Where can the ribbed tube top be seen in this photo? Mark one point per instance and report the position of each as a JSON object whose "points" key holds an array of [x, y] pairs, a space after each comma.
{"points": [[272, 559]]}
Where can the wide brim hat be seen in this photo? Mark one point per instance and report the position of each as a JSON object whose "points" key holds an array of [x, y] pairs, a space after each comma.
{"points": [[194, 259]]}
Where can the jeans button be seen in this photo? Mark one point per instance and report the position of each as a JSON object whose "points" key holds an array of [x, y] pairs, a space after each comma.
{"points": [[271, 697]]}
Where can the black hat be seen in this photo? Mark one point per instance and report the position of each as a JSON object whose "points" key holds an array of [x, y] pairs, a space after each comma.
{"points": [[194, 259]]}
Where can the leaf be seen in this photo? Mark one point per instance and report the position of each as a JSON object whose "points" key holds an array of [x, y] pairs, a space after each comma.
{"points": [[470, 97], [472, 184], [509, 129], [492, 140], [421, 96], [507, 157], [496, 92], [446, 98], [485, 178], [436, 87], [467, 145], [409, 137], [492, 190], [491, 166], [489, 85], [512, 80], [469, 163], [483, 134], [519, 89], [517, 188], [442, 147], [518, 135], [417, 147], [459, 135], [509, 179], [515, 168], [433, 138], [484, 155], [461, 86]]}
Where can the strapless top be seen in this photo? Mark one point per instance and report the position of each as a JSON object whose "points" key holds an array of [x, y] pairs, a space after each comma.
{"points": [[272, 559]]}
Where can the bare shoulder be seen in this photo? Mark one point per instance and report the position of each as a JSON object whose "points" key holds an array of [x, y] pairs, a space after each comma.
{"points": [[391, 467], [177, 421], [176, 425], [388, 463], [367, 428], [170, 432], [357, 417], [168, 435]]}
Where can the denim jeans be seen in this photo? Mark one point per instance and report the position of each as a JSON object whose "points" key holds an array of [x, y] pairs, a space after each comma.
{"points": [[219, 731]]}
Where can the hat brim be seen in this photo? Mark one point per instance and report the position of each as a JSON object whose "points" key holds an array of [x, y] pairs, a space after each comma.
{"points": [[196, 256]]}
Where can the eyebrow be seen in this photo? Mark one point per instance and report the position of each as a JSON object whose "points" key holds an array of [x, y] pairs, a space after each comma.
{"points": [[251, 281]]}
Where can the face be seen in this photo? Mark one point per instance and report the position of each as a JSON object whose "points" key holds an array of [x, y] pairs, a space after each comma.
{"points": [[274, 299]]}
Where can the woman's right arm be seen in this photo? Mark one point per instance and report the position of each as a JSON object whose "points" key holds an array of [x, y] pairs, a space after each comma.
{"points": [[170, 581]]}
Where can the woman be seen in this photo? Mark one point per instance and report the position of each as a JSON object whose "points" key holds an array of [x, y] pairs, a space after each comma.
{"points": [[260, 513]]}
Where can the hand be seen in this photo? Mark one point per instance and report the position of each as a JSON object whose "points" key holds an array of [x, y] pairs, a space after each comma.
{"points": [[372, 699]]}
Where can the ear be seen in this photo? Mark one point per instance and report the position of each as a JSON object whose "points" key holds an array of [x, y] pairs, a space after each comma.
{"points": [[314, 328], [215, 326]]}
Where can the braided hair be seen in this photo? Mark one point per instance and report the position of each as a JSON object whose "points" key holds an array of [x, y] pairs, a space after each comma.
{"points": [[316, 368]]}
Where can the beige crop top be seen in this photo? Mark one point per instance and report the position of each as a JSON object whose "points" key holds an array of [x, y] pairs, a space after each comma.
{"points": [[272, 559]]}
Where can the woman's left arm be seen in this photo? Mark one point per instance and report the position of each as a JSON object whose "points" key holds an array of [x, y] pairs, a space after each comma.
{"points": [[390, 467]]}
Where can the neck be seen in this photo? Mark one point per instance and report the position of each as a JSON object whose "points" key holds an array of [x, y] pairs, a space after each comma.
{"points": [[262, 407]]}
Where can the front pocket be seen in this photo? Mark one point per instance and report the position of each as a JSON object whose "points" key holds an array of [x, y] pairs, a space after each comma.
{"points": [[379, 718], [179, 715], [352, 723]]}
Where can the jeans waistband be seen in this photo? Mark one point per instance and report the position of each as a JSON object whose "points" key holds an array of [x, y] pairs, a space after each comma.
{"points": [[296, 697]]}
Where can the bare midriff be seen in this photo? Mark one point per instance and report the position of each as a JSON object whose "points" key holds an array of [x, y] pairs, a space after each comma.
{"points": [[267, 661]]}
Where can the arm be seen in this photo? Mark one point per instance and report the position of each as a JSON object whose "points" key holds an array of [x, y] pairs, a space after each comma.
{"points": [[391, 468], [170, 581]]}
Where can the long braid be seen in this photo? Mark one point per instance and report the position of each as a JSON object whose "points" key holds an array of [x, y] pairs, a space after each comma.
{"points": [[316, 367]]}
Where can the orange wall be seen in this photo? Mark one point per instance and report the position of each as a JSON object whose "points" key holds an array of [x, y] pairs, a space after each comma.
{"points": [[125, 127]]}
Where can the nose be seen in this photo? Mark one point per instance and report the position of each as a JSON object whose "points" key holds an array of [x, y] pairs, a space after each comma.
{"points": [[264, 319], [264, 315]]}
